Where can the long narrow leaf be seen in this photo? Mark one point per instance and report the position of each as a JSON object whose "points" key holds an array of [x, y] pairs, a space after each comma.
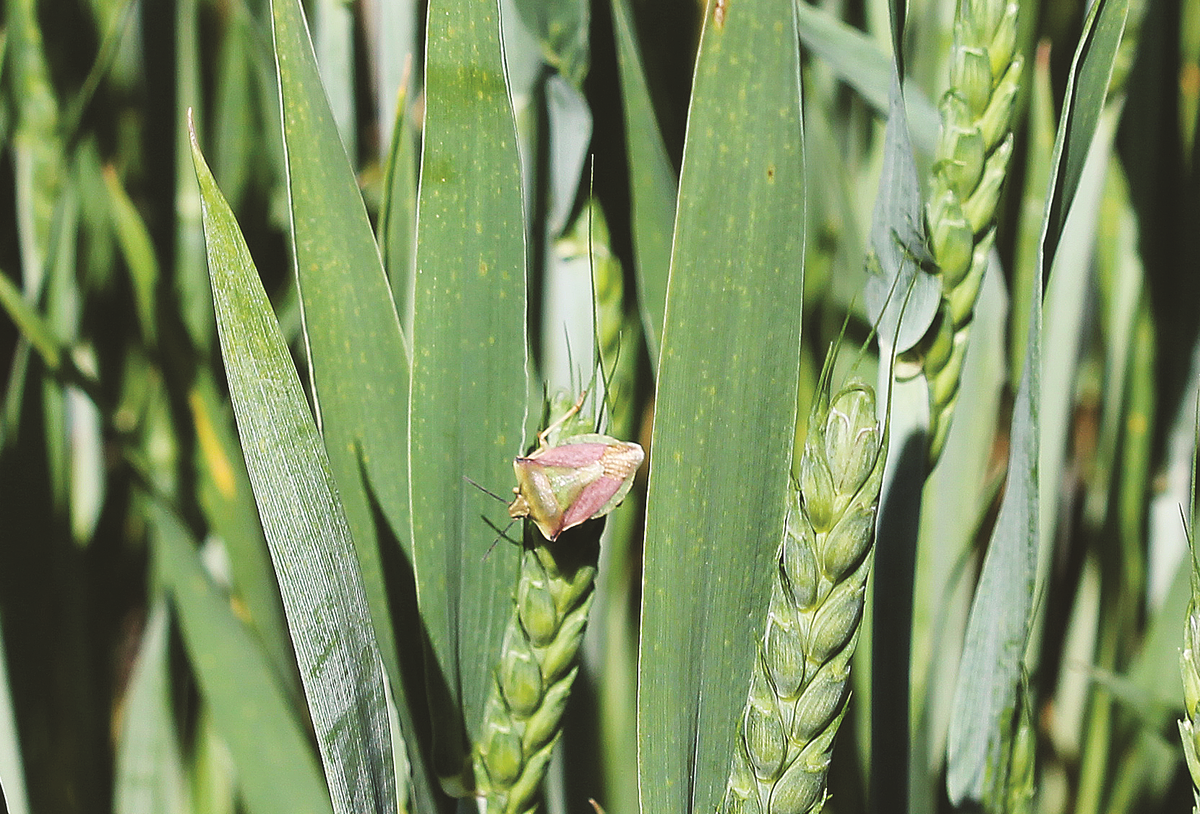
{"points": [[305, 526], [468, 378], [728, 378], [358, 358]]}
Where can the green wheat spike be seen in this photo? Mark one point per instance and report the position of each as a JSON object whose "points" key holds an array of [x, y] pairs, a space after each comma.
{"points": [[532, 681], [969, 168], [798, 686]]}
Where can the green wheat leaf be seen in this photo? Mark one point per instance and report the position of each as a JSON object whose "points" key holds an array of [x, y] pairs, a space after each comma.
{"points": [[728, 378], [359, 361], [468, 397], [304, 522]]}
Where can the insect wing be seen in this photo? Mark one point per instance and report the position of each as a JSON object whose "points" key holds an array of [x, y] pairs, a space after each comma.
{"points": [[609, 479], [551, 480]]}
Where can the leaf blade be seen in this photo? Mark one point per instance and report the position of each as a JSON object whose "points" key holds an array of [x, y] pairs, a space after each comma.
{"points": [[359, 362], [467, 398], [305, 526], [724, 419]]}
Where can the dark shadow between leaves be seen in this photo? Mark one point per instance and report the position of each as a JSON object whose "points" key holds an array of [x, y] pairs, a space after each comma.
{"points": [[420, 675]]}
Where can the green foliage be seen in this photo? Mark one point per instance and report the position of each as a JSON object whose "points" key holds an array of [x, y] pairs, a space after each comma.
{"points": [[243, 565]]}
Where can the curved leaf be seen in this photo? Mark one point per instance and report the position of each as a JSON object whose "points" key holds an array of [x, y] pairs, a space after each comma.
{"points": [[304, 523]]}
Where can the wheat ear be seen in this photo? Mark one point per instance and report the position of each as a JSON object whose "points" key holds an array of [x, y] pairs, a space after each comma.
{"points": [[532, 681], [798, 684], [969, 168], [1189, 666]]}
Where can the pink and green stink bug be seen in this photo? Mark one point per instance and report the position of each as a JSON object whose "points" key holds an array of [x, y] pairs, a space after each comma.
{"points": [[580, 478]]}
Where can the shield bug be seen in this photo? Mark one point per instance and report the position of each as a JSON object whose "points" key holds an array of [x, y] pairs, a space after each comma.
{"points": [[578, 478]]}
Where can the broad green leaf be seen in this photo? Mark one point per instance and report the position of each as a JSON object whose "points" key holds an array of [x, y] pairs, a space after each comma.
{"points": [[305, 526], [468, 375], [149, 776], [726, 408], [999, 626], [276, 767], [357, 357], [652, 183]]}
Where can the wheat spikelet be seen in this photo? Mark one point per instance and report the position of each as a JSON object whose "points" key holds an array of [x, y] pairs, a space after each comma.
{"points": [[798, 684], [969, 169]]}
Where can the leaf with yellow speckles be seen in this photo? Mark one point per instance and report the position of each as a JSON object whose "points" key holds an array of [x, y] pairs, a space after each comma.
{"points": [[467, 408], [726, 405]]}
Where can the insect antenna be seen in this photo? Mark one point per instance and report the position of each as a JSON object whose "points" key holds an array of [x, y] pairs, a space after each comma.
{"points": [[501, 534], [485, 490]]}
